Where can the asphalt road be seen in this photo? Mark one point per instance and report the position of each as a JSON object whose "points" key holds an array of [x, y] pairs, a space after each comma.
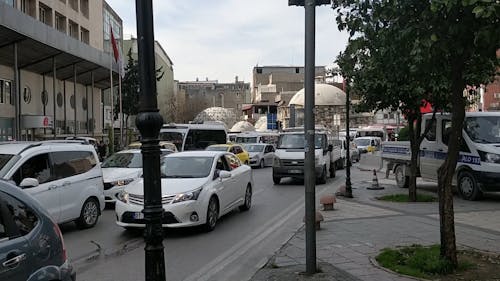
{"points": [[241, 243]]}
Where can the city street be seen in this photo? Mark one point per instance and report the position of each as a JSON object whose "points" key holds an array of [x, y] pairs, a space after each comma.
{"points": [[241, 243]]}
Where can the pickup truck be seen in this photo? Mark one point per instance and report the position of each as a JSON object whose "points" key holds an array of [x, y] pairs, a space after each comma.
{"points": [[478, 167]]}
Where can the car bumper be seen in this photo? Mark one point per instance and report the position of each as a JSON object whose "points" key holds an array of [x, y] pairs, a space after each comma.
{"points": [[175, 215], [294, 171], [254, 162], [488, 181]]}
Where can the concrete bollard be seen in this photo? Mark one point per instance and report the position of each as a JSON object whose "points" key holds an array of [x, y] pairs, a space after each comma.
{"points": [[327, 201]]}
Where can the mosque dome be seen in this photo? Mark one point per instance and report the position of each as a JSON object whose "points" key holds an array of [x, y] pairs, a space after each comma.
{"points": [[242, 126], [324, 95], [227, 116]]}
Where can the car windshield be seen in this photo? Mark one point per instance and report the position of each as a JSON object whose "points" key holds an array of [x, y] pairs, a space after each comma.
{"points": [[4, 158], [362, 142], [484, 129], [246, 139], [173, 137], [186, 167], [254, 148], [216, 148], [297, 141], [123, 160]]}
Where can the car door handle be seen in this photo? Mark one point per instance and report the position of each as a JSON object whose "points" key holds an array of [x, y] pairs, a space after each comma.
{"points": [[66, 183], [424, 148], [14, 261], [52, 187], [440, 150]]}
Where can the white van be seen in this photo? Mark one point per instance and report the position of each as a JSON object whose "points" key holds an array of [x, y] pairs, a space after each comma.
{"points": [[64, 176]]}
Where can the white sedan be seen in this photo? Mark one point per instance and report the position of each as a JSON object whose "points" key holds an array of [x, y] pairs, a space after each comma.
{"points": [[120, 169], [198, 187]]}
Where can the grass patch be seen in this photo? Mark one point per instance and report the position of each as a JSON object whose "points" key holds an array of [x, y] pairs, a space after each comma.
{"points": [[418, 261], [406, 198]]}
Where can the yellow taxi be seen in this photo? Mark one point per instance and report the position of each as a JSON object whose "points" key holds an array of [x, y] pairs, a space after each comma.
{"points": [[236, 149]]}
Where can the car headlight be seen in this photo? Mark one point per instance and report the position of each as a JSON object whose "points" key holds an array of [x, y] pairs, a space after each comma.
{"points": [[122, 196], [489, 157], [276, 161], [186, 196], [122, 182]]}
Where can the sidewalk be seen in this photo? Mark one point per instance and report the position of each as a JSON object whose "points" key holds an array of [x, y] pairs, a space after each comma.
{"points": [[353, 234]]}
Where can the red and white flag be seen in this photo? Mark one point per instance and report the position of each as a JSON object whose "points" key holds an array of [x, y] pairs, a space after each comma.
{"points": [[117, 54]]}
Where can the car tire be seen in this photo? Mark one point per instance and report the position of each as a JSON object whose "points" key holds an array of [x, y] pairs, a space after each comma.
{"points": [[322, 178], [212, 214], [341, 163], [261, 164], [248, 199], [402, 181], [89, 215], [468, 187], [276, 180], [332, 171]]}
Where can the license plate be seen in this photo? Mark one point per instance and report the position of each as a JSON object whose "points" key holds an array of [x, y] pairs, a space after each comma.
{"points": [[295, 172], [138, 216]]}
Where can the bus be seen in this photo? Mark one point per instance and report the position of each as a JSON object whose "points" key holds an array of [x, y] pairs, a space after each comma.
{"points": [[194, 136]]}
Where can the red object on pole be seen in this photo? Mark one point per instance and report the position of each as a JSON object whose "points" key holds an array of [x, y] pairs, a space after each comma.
{"points": [[116, 53]]}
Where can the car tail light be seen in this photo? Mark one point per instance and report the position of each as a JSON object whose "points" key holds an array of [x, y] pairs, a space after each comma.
{"points": [[59, 233]]}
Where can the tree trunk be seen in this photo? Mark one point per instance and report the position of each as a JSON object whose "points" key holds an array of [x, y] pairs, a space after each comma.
{"points": [[447, 171], [415, 149]]}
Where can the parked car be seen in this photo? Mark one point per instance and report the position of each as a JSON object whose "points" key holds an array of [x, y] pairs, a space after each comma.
{"points": [[261, 154], [64, 176], [120, 169], [198, 187], [368, 144], [236, 149], [163, 145], [31, 244]]}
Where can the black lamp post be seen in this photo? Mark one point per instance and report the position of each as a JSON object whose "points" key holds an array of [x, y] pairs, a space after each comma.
{"points": [[348, 186], [149, 122]]}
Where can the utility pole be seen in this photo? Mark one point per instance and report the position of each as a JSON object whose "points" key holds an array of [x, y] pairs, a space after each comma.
{"points": [[309, 126], [149, 122]]}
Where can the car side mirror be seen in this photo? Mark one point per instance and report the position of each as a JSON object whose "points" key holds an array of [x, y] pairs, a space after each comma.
{"points": [[224, 174], [29, 182]]}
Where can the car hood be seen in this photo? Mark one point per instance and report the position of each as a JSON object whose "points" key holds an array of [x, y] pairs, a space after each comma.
{"points": [[114, 174], [252, 154], [295, 153], [487, 147], [168, 186]]}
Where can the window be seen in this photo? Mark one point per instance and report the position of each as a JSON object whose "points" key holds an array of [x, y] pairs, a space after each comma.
{"points": [[259, 70], [431, 135], [45, 14], [74, 4], [73, 29], [71, 163], [233, 161], [84, 35], [84, 7], [2, 94], [297, 70], [16, 219], [496, 95], [36, 167], [60, 22], [9, 2]]}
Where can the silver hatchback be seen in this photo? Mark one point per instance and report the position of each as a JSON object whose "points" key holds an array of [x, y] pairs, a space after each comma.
{"points": [[261, 154]]}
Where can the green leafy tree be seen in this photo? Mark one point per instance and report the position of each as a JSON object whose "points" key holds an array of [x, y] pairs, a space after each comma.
{"points": [[426, 49]]}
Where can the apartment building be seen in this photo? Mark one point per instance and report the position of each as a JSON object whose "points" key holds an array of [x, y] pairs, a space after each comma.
{"points": [[54, 66]]}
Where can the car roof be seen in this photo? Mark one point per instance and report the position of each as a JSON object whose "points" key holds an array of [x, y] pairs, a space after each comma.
{"points": [[20, 146], [256, 143], [223, 145], [197, 153], [367, 138]]}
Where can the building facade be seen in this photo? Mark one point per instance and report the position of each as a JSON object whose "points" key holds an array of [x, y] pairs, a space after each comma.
{"points": [[53, 68], [164, 86], [200, 95]]}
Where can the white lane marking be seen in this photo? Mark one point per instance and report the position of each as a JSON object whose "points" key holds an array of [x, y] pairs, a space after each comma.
{"points": [[238, 250]]}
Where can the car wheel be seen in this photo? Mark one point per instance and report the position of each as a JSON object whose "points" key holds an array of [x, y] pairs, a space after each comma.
{"points": [[276, 180], [332, 171], [261, 164], [248, 199], [467, 186], [341, 163], [402, 181], [212, 214], [89, 214], [322, 178]]}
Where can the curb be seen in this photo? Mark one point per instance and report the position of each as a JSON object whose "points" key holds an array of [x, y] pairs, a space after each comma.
{"points": [[374, 262]]}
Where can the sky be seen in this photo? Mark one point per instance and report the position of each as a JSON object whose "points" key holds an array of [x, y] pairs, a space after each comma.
{"points": [[221, 39]]}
